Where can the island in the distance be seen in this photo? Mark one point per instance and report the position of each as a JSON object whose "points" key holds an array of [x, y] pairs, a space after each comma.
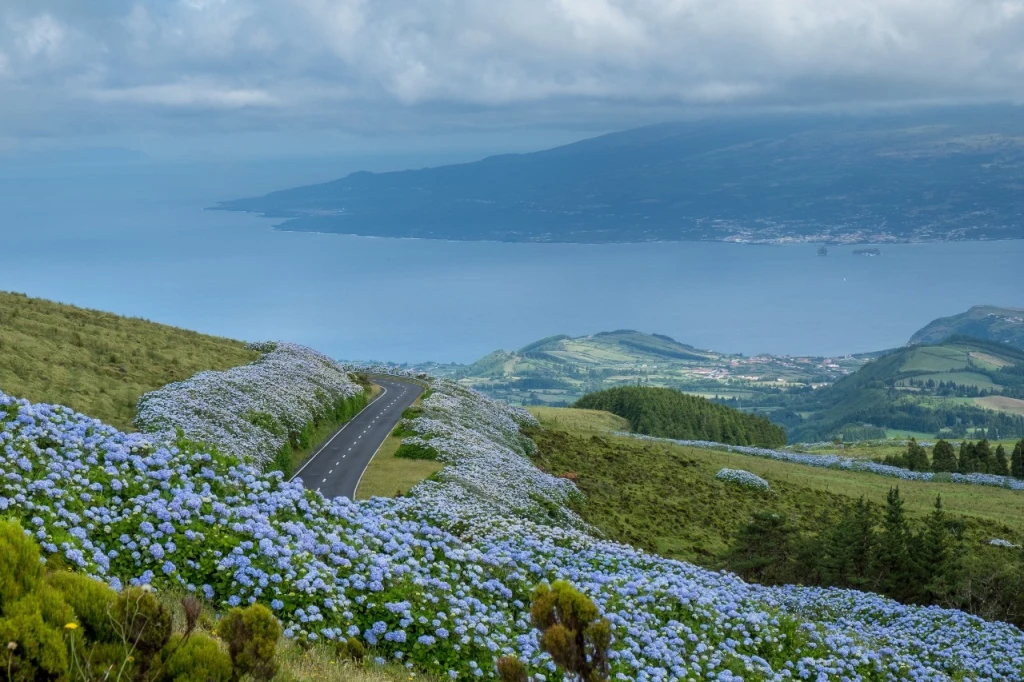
{"points": [[916, 176]]}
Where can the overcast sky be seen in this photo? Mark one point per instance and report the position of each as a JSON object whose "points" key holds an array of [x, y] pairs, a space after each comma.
{"points": [[73, 71]]}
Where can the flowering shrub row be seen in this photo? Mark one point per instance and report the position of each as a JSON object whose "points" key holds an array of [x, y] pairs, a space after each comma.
{"points": [[252, 410], [744, 478], [442, 578], [847, 463]]}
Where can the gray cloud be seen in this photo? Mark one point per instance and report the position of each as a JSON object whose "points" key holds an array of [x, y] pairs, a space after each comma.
{"points": [[72, 67]]}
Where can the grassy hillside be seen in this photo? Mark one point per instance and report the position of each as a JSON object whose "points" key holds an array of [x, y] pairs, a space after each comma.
{"points": [[96, 362], [927, 389], [671, 414], [558, 370], [666, 498], [986, 322]]}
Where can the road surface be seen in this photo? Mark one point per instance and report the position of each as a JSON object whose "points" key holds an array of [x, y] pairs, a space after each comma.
{"points": [[335, 469]]}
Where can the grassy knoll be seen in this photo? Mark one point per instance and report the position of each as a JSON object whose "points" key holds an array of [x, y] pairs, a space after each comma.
{"points": [[390, 476], [99, 363], [665, 498], [572, 419]]}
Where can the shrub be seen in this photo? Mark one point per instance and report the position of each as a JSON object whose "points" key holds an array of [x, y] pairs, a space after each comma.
{"points": [[251, 634], [744, 478], [38, 651], [199, 658], [416, 449], [572, 631], [143, 624], [511, 669], [352, 649], [92, 601], [20, 570]]}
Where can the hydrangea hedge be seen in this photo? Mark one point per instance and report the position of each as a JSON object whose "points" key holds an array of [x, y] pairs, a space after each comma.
{"points": [[742, 477], [830, 461], [256, 410], [441, 579]]}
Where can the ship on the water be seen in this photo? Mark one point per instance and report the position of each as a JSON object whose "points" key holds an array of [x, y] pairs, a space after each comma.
{"points": [[822, 251], [867, 252]]}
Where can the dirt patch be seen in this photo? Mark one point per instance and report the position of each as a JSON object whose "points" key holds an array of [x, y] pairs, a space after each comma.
{"points": [[1002, 403]]}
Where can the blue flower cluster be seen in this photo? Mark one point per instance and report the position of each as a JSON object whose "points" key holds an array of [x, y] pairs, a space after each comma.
{"points": [[744, 478], [249, 410], [846, 463], [441, 579]]}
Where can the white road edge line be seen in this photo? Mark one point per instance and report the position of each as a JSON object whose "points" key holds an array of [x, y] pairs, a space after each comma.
{"points": [[338, 432], [356, 490]]}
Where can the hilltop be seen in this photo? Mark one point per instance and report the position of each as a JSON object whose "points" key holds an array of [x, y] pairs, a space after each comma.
{"points": [[986, 322], [97, 362], [941, 174], [560, 369], [949, 389]]}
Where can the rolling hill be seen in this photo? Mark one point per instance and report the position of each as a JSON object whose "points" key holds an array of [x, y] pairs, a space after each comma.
{"points": [[986, 322], [942, 389], [560, 369], [940, 174], [98, 362]]}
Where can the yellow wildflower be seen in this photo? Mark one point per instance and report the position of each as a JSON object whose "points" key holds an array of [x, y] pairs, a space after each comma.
{"points": [[71, 626]]}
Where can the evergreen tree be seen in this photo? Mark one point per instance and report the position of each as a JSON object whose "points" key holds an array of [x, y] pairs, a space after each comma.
{"points": [[893, 568], [1000, 464], [1017, 461], [983, 457], [762, 549], [967, 462], [943, 457], [849, 547], [916, 457], [933, 552]]}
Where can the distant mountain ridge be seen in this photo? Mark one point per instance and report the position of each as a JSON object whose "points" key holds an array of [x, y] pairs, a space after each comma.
{"points": [[941, 174], [986, 322]]}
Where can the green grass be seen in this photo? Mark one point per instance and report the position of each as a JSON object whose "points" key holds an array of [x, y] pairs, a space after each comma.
{"points": [[665, 498], [99, 363], [935, 359], [573, 419]]}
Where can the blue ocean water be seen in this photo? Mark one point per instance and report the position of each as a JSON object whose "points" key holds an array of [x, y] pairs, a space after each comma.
{"points": [[135, 239]]}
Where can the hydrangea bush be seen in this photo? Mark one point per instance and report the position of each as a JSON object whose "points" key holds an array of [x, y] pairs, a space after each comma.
{"points": [[831, 461], [441, 578], [744, 478], [249, 410]]}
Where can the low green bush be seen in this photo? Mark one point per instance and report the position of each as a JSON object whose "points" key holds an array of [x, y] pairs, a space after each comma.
{"points": [[416, 450], [199, 658], [61, 626], [251, 634]]}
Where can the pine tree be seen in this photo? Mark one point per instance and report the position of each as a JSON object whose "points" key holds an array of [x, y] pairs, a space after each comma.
{"points": [[934, 548], [892, 559], [967, 462], [763, 548], [849, 547], [1017, 461], [943, 457], [983, 457], [1000, 465], [916, 457]]}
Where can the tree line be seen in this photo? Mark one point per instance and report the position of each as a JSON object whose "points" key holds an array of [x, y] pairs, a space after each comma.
{"points": [[930, 561], [969, 458], [668, 413]]}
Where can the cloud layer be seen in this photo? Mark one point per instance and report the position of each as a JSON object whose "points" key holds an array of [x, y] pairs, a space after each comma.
{"points": [[68, 66]]}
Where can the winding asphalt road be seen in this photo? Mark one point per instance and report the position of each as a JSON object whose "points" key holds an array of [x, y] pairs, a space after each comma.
{"points": [[335, 469]]}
